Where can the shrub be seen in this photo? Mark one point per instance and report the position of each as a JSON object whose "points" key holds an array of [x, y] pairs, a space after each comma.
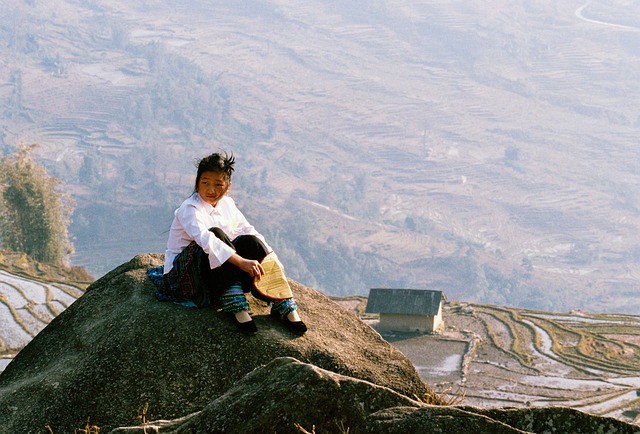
{"points": [[33, 216]]}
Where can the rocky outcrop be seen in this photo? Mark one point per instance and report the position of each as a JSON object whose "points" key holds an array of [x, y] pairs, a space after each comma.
{"points": [[117, 349], [454, 420], [286, 393], [120, 358]]}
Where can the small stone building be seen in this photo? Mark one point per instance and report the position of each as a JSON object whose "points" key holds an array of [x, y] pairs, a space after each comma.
{"points": [[407, 309]]}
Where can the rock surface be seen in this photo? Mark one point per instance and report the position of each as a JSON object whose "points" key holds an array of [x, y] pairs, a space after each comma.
{"points": [[120, 358], [287, 392], [117, 349], [401, 420], [283, 393]]}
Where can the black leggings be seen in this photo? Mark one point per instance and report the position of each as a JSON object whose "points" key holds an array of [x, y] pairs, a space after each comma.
{"points": [[220, 278]]}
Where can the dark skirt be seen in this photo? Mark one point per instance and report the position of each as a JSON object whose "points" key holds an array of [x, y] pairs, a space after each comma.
{"points": [[192, 279]]}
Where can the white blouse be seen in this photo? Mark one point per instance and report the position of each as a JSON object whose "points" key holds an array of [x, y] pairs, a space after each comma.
{"points": [[192, 222]]}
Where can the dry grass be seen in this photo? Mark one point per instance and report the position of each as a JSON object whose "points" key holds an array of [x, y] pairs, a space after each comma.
{"points": [[341, 429], [443, 398], [88, 429], [142, 417], [304, 431], [95, 429]]}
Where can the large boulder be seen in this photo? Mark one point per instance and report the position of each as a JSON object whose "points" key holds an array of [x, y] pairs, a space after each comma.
{"points": [[286, 392], [288, 396], [554, 420], [117, 349]]}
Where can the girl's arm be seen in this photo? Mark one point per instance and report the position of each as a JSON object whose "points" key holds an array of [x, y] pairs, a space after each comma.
{"points": [[249, 266], [196, 226], [243, 227]]}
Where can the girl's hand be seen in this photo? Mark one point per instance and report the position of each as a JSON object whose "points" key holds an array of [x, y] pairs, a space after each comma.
{"points": [[253, 268], [250, 266]]}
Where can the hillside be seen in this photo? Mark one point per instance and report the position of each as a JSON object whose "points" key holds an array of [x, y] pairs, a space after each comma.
{"points": [[31, 295], [486, 150]]}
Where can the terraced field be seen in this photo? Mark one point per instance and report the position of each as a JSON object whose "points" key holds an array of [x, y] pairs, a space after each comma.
{"points": [[585, 361], [26, 307], [513, 357]]}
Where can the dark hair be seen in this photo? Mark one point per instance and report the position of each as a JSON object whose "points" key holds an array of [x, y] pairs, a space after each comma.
{"points": [[216, 162]]}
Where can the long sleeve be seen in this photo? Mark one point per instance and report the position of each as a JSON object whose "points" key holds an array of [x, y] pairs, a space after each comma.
{"points": [[241, 226], [192, 222], [196, 224]]}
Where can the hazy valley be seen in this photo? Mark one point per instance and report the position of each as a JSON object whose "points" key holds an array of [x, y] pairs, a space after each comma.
{"points": [[486, 150]]}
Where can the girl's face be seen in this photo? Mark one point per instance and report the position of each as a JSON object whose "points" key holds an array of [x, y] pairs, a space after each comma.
{"points": [[212, 186]]}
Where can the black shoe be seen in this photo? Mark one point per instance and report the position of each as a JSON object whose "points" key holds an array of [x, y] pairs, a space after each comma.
{"points": [[298, 327], [248, 328]]}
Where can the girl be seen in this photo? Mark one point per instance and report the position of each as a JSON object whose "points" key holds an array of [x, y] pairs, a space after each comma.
{"points": [[214, 255]]}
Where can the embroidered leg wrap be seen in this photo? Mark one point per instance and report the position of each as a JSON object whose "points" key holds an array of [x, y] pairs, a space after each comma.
{"points": [[233, 299], [284, 307]]}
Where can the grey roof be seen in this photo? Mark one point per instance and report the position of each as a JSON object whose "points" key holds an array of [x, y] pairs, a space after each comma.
{"points": [[404, 301]]}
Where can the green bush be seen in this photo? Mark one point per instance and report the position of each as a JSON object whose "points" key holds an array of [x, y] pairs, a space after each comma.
{"points": [[33, 216]]}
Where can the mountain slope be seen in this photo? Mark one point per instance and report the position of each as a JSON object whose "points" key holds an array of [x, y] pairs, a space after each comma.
{"points": [[488, 151]]}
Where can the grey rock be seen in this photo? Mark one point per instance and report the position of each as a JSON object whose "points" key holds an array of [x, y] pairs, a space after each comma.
{"points": [[550, 420], [431, 419], [117, 349], [286, 392], [287, 396], [556, 420]]}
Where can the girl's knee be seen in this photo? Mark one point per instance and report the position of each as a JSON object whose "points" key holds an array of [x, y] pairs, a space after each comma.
{"points": [[250, 247]]}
